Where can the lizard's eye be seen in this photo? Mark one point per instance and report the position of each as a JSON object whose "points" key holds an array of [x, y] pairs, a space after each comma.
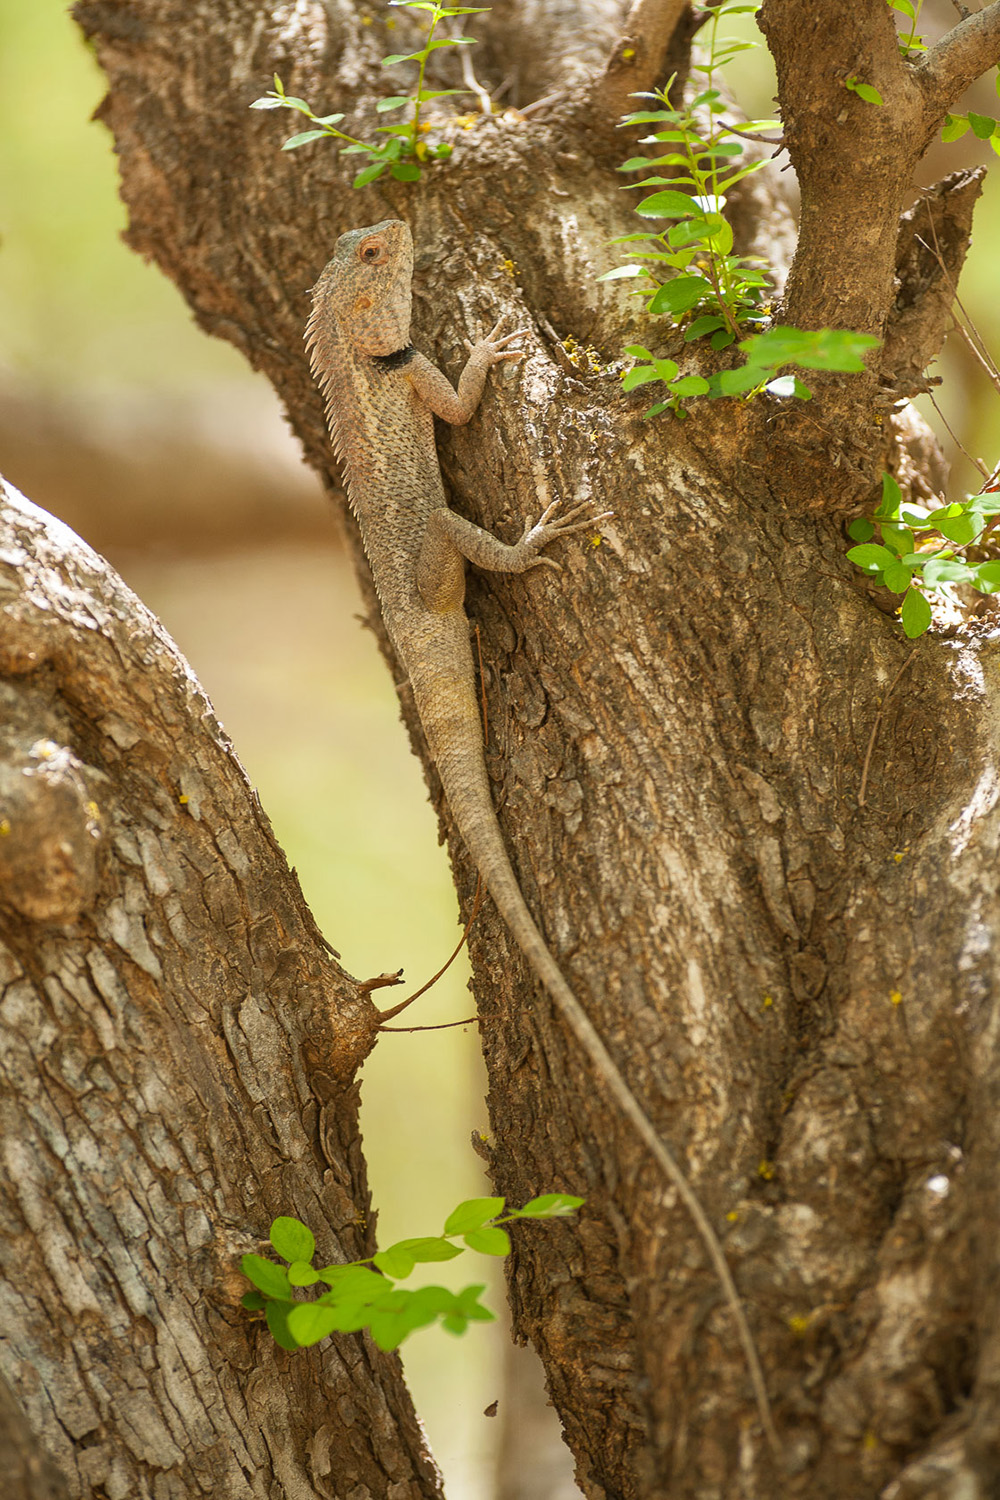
{"points": [[373, 253]]}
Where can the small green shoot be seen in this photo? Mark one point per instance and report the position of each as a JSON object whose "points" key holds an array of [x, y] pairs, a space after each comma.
{"points": [[405, 148], [364, 1293], [866, 91], [918, 550]]}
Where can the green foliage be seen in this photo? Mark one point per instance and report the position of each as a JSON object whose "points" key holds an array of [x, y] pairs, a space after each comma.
{"points": [[767, 354], [357, 1297], [716, 292], [984, 127], [405, 148], [866, 91], [919, 550], [911, 42]]}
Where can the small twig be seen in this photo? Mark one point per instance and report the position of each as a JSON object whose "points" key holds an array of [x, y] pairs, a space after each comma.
{"points": [[975, 462], [529, 109], [380, 982], [386, 1015], [472, 82], [875, 727], [982, 353], [443, 1026], [755, 135]]}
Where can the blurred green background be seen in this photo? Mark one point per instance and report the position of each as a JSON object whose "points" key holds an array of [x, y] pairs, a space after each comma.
{"points": [[162, 448]]}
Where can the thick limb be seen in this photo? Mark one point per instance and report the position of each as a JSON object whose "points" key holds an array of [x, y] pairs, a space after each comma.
{"points": [[450, 540]]}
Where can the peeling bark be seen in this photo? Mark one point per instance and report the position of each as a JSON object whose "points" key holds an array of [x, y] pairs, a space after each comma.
{"points": [[759, 829]]}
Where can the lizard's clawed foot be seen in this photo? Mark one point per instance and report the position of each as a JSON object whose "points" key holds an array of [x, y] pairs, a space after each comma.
{"points": [[580, 517], [492, 347]]}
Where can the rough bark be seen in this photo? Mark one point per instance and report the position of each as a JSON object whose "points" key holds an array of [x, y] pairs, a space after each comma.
{"points": [[179, 1052], [758, 828]]}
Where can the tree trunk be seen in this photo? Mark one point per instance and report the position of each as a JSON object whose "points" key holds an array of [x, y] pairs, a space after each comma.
{"points": [[179, 1056], [757, 826]]}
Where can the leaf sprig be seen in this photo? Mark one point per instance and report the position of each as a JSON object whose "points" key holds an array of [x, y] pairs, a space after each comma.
{"points": [[406, 147], [718, 291], [364, 1294], [920, 550]]}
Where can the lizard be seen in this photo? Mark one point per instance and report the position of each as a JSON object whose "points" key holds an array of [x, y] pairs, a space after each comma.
{"points": [[381, 398]]}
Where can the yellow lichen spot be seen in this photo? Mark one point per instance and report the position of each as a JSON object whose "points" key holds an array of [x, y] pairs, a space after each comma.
{"points": [[93, 811], [798, 1325], [732, 1216], [509, 268], [366, 20], [390, 25], [629, 53], [592, 436], [4, 828], [467, 122], [182, 799], [426, 125], [895, 998], [869, 1441], [766, 1003], [766, 1170], [596, 539]]}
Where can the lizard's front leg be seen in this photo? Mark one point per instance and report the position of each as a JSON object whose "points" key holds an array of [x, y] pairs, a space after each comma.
{"points": [[448, 539]]}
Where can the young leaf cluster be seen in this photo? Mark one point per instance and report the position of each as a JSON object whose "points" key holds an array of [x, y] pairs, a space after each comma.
{"points": [[694, 275], [767, 354], [911, 10], [365, 1294], [403, 148], [919, 550], [984, 127]]}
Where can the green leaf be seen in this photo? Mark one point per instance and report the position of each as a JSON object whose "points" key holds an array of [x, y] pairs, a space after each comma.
{"points": [[666, 206], [352, 1283], [897, 578], [789, 385], [655, 409], [268, 1278], [550, 1206], [987, 579], [489, 1240], [405, 171], [328, 119], [689, 385], [861, 530], [898, 539], [269, 101], [871, 557], [638, 352], [429, 1248], [701, 326], [309, 1322], [395, 102], [301, 1273], [666, 369], [865, 91], [253, 1301], [295, 141], [939, 569], [292, 1239], [622, 271], [962, 529], [982, 125], [473, 1214], [368, 174], [954, 128], [276, 1314], [640, 375], [892, 497], [679, 295], [915, 614]]}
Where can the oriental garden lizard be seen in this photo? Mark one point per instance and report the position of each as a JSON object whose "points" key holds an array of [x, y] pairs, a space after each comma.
{"points": [[381, 400]]}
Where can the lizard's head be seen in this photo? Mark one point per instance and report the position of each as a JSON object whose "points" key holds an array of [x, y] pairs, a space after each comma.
{"points": [[365, 288]]}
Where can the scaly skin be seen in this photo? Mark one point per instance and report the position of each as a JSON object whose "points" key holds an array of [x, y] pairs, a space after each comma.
{"points": [[381, 400]]}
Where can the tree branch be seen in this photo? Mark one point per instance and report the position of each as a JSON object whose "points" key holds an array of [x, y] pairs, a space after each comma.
{"points": [[636, 63], [959, 58]]}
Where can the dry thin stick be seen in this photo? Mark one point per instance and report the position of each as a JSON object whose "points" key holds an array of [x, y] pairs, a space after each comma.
{"points": [[976, 463], [982, 353], [875, 727], [472, 82], [442, 1026], [386, 1015]]}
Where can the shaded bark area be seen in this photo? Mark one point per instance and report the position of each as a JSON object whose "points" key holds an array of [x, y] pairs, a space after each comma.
{"points": [[757, 827], [178, 1061]]}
